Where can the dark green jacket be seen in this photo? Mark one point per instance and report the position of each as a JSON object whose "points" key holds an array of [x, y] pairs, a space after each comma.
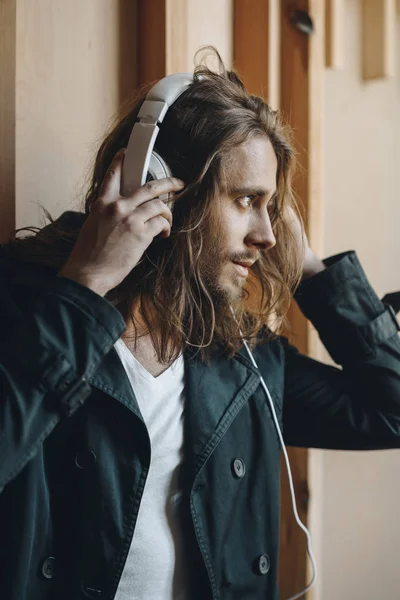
{"points": [[74, 451]]}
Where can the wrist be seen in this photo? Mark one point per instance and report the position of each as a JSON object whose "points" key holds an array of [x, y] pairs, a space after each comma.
{"points": [[312, 265], [83, 279]]}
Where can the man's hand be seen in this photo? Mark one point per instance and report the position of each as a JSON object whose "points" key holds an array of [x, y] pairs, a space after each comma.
{"points": [[311, 263], [119, 230]]}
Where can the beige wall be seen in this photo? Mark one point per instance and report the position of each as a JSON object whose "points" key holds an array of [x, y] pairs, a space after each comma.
{"points": [[210, 22], [361, 491], [72, 69]]}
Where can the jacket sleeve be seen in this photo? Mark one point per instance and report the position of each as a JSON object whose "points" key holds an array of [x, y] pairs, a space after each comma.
{"points": [[355, 407], [54, 334]]}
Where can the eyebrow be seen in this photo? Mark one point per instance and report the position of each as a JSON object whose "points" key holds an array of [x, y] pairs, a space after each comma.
{"points": [[251, 191]]}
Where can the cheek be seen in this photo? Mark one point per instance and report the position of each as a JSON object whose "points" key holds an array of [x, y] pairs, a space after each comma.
{"points": [[235, 228]]}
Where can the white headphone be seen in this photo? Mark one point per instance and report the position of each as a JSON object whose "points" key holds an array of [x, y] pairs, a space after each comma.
{"points": [[141, 163]]}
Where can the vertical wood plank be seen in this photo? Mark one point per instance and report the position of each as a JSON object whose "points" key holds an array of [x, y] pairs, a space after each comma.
{"points": [[316, 89], [300, 64], [127, 49], [7, 116], [162, 38], [302, 93], [302, 85], [274, 53], [176, 36], [334, 34], [67, 89], [257, 46], [251, 59], [210, 23], [379, 38], [151, 40]]}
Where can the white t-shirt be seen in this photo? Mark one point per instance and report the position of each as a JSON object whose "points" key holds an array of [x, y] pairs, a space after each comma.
{"points": [[154, 568]]}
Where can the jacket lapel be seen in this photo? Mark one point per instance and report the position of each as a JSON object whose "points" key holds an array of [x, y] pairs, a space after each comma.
{"points": [[112, 379], [215, 393]]}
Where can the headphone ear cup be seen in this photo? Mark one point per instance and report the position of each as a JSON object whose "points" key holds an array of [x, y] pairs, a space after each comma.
{"points": [[158, 169]]}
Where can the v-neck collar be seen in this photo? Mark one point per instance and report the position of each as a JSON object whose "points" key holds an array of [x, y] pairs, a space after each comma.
{"points": [[141, 370]]}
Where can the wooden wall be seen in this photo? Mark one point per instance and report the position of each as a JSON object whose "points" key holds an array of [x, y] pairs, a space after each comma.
{"points": [[66, 67]]}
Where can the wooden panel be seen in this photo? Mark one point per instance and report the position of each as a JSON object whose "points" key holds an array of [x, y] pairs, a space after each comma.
{"points": [[151, 39], [313, 160], [46, 127], [210, 23], [334, 31], [171, 31], [7, 116], [162, 38], [301, 68], [379, 38], [176, 36], [127, 49], [68, 87], [257, 59], [302, 83]]}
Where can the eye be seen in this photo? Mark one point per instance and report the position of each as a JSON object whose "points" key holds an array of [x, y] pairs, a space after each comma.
{"points": [[273, 210], [246, 201]]}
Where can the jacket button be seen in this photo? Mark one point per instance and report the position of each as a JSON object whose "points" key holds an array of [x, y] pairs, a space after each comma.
{"points": [[263, 564], [85, 459], [48, 567], [238, 468]]}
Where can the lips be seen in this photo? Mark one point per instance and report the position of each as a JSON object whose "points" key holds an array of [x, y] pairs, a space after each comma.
{"points": [[242, 268]]}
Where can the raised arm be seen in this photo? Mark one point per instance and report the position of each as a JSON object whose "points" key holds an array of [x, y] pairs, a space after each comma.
{"points": [[357, 406]]}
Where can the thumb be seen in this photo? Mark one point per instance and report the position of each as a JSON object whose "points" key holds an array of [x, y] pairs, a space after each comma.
{"points": [[110, 186]]}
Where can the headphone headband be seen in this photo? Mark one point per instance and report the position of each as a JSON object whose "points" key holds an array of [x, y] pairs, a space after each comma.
{"points": [[144, 133]]}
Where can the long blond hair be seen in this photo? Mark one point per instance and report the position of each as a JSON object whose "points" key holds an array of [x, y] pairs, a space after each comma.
{"points": [[212, 117]]}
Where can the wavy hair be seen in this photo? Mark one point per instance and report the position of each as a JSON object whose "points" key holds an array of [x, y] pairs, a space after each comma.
{"points": [[213, 116]]}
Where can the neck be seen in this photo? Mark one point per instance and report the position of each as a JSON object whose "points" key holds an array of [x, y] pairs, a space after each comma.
{"points": [[139, 342]]}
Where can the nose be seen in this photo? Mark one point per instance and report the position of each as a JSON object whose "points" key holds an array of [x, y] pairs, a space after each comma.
{"points": [[260, 234]]}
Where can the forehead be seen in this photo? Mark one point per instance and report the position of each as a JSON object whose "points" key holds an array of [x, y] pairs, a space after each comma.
{"points": [[252, 164]]}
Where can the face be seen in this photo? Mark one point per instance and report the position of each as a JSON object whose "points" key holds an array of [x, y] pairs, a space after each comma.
{"points": [[245, 211]]}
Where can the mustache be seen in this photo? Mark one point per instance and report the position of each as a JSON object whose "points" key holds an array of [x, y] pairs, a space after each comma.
{"points": [[244, 256]]}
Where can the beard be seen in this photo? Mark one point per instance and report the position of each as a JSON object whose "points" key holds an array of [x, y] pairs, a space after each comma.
{"points": [[230, 292]]}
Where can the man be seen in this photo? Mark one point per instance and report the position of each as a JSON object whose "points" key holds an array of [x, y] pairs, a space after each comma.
{"points": [[139, 457]]}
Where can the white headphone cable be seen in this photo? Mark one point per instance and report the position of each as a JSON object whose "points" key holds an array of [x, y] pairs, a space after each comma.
{"points": [[289, 472]]}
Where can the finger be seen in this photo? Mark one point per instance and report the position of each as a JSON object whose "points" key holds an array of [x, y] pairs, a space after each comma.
{"points": [[155, 188], [158, 225], [152, 208], [110, 186]]}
